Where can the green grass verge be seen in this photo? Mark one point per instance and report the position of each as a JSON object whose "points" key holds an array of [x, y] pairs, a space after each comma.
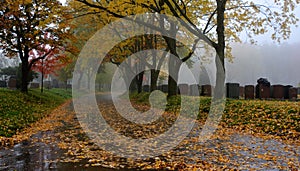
{"points": [[280, 118], [18, 110]]}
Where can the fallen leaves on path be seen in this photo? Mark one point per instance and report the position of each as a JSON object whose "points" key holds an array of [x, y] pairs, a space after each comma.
{"points": [[231, 148], [227, 149], [52, 121]]}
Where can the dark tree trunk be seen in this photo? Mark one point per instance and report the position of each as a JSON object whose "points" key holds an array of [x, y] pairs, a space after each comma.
{"points": [[25, 74], [220, 50], [174, 66], [88, 81], [154, 78], [139, 82], [25, 67], [42, 82], [79, 80]]}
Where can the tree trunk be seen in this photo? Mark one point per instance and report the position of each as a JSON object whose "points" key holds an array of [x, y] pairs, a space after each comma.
{"points": [[42, 82], [79, 80], [139, 81], [154, 78], [220, 50], [174, 66], [25, 73]]}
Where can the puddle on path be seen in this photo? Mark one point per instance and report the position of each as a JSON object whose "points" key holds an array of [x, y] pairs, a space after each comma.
{"points": [[36, 155]]}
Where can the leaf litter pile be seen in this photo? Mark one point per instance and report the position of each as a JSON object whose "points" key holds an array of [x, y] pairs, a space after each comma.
{"points": [[243, 141]]}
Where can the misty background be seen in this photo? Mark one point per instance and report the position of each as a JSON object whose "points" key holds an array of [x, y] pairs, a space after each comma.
{"points": [[279, 63]]}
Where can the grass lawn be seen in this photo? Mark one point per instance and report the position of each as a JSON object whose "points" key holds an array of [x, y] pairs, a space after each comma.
{"points": [[18, 110], [279, 118]]}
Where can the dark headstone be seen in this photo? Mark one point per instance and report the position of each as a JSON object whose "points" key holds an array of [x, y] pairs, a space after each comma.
{"points": [[12, 83], [61, 85], [263, 91], [233, 90], [298, 90], [3, 84], [47, 84], [54, 83], [206, 90], [195, 90], [249, 92], [34, 85], [242, 91], [159, 87], [146, 88], [277, 91], [164, 88], [69, 86], [286, 91], [293, 93], [183, 89]]}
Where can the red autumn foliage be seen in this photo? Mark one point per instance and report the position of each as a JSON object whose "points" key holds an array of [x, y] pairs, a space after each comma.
{"points": [[49, 59]]}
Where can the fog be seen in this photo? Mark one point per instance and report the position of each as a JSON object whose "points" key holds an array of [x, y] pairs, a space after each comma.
{"points": [[278, 63]]}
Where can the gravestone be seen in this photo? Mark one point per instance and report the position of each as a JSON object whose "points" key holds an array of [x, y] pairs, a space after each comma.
{"points": [[195, 90], [232, 90], [159, 87], [12, 83], [69, 86], [293, 93], [298, 90], [206, 90], [54, 83], [277, 91], [249, 92], [183, 89], [47, 84], [263, 90], [3, 84], [164, 88], [146, 88], [286, 91], [34, 85], [242, 91], [61, 85]]}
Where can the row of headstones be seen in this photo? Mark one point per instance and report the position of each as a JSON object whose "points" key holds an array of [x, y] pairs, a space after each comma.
{"points": [[12, 84], [185, 89], [50, 84], [260, 91], [234, 90]]}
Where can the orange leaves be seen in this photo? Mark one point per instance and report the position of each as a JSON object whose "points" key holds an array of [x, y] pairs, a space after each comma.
{"points": [[25, 23]]}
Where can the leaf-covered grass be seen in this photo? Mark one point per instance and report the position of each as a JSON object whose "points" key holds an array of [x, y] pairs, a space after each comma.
{"points": [[280, 118], [18, 110]]}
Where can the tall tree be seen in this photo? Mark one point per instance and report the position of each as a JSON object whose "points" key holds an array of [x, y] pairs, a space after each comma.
{"points": [[23, 25], [220, 21], [51, 62]]}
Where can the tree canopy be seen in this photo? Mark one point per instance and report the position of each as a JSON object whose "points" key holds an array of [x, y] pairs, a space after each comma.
{"points": [[220, 21], [24, 25]]}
